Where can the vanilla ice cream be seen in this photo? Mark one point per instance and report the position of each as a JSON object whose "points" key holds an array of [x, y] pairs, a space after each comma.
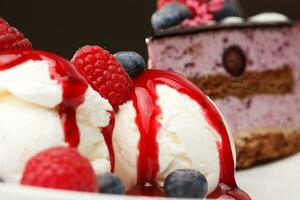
{"points": [[185, 139], [29, 115]]}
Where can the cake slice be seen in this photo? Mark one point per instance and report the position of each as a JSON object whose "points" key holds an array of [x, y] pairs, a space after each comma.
{"points": [[252, 72]]}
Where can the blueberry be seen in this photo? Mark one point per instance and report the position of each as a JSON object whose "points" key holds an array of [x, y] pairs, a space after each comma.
{"points": [[180, 8], [110, 184], [186, 183], [230, 8], [171, 14], [234, 60], [132, 62]]}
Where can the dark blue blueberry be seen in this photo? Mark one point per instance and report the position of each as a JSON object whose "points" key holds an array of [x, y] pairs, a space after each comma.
{"points": [[170, 15], [110, 184], [186, 183], [180, 8], [234, 60], [132, 62], [230, 8]]}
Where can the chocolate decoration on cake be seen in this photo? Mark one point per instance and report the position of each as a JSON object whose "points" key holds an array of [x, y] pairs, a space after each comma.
{"points": [[234, 60]]}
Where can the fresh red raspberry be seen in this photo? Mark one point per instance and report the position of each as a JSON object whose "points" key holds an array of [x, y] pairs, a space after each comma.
{"points": [[60, 168], [201, 10], [11, 38], [104, 73], [161, 3]]}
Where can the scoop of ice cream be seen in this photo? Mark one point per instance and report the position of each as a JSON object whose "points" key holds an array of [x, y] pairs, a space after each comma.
{"points": [[184, 137], [183, 130], [36, 111]]}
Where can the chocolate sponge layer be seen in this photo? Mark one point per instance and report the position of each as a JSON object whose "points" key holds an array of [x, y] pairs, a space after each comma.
{"points": [[278, 81], [256, 147]]}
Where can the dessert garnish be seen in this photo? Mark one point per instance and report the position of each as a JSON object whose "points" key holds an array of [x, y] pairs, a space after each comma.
{"points": [[131, 61], [11, 38], [234, 60], [110, 184], [186, 183], [60, 168], [104, 73], [171, 13]]}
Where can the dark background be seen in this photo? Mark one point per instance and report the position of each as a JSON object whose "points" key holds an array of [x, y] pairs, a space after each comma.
{"points": [[64, 26]]}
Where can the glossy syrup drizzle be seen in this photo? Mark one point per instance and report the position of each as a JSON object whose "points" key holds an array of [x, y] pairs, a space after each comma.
{"points": [[73, 85], [107, 134], [74, 88], [144, 100]]}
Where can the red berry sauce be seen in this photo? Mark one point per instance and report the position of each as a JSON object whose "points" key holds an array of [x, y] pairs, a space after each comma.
{"points": [[73, 84], [145, 102], [107, 134]]}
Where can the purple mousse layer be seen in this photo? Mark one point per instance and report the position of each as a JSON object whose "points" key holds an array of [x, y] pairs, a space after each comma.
{"points": [[200, 54], [262, 113]]}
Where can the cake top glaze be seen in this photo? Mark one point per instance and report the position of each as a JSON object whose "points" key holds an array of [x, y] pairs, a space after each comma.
{"points": [[178, 30]]}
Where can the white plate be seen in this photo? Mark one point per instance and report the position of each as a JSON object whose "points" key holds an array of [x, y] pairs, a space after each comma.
{"points": [[275, 181], [278, 180]]}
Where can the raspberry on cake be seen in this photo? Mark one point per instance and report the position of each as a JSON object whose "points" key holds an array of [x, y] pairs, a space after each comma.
{"points": [[192, 12], [250, 70]]}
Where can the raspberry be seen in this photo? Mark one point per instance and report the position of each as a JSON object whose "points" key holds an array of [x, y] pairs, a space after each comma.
{"points": [[11, 38], [161, 3], [60, 168], [202, 10], [104, 73]]}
